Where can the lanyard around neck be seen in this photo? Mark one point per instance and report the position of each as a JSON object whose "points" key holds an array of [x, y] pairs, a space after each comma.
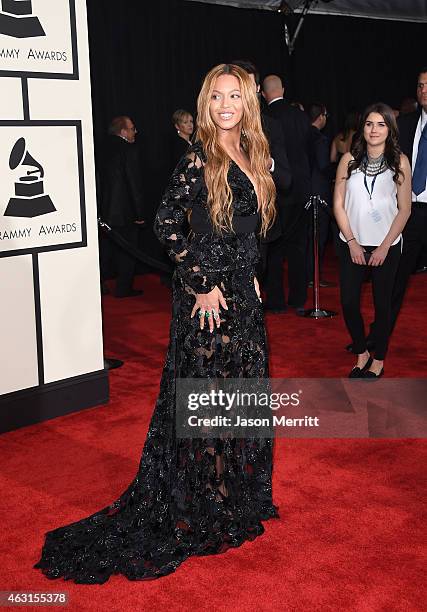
{"points": [[365, 180]]}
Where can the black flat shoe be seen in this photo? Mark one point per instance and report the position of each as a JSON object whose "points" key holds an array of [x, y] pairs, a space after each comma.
{"points": [[360, 372], [368, 375], [112, 364]]}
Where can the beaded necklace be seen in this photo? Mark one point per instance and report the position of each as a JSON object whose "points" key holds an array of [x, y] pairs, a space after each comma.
{"points": [[374, 165]]}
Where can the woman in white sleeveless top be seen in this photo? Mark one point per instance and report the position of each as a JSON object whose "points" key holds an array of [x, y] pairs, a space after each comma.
{"points": [[372, 203]]}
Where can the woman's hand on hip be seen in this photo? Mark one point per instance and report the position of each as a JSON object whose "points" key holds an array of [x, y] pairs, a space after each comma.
{"points": [[208, 306], [356, 253], [378, 256]]}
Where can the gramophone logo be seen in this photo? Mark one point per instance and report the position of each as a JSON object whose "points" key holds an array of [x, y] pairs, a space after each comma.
{"points": [[30, 199], [17, 19], [41, 170]]}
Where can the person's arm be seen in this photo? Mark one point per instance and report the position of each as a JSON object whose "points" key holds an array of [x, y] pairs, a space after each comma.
{"points": [[404, 196], [356, 251], [281, 173], [177, 200], [171, 216]]}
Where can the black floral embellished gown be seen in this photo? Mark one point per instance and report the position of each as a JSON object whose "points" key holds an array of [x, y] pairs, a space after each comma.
{"points": [[189, 496]]}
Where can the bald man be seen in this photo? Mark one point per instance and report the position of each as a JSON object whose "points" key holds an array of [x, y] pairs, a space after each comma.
{"points": [[294, 219], [272, 86]]}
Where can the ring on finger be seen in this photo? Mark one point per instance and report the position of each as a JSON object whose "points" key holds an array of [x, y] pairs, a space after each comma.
{"points": [[215, 314], [201, 313], [207, 314]]}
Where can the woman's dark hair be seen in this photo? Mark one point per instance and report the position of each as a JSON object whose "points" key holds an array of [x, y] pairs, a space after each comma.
{"points": [[249, 67], [315, 110], [392, 150], [351, 124]]}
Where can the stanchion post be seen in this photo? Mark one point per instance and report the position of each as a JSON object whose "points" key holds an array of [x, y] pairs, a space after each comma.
{"points": [[316, 312]]}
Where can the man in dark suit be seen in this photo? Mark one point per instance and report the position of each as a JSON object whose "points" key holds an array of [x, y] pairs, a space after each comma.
{"points": [[121, 203], [321, 180], [293, 217], [413, 142]]}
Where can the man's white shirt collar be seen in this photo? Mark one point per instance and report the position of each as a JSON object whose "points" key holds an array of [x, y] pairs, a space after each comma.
{"points": [[275, 100]]}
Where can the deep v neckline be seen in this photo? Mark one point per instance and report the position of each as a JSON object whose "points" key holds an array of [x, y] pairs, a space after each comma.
{"points": [[249, 181]]}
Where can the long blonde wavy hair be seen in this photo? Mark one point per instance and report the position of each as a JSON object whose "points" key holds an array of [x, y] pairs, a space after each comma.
{"points": [[253, 141]]}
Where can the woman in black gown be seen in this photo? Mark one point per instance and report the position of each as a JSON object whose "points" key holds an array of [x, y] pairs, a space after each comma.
{"points": [[196, 496]]}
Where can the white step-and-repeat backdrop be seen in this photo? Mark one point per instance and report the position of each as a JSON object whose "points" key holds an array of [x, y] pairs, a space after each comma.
{"points": [[50, 312]]}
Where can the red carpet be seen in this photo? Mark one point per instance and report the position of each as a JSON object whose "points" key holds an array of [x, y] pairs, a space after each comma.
{"points": [[350, 533]]}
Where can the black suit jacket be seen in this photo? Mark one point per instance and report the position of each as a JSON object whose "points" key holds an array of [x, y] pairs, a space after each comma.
{"points": [[320, 164], [281, 174], [121, 184], [296, 129], [407, 125]]}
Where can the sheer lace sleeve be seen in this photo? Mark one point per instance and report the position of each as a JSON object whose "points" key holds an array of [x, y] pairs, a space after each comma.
{"points": [[184, 186]]}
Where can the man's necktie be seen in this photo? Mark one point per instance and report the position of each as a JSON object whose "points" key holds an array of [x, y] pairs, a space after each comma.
{"points": [[420, 171]]}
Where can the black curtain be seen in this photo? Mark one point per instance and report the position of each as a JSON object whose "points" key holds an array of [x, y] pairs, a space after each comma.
{"points": [[148, 59], [348, 63]]}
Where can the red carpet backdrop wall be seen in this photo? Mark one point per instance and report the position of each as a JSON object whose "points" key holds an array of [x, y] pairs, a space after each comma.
{"points": [[50, 316]]}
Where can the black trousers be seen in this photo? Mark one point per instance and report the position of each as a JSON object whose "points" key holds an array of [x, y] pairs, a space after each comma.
{"points": [[291, 245], [414, 240], [383, 278]]}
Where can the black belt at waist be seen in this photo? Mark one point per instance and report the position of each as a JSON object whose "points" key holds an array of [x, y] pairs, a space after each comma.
{"points": [[419, 205], [200, 222]]}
